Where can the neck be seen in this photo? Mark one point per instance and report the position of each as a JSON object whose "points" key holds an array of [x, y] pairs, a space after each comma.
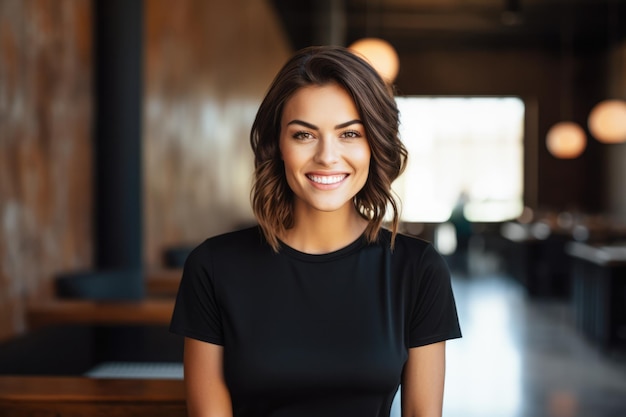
{"points": [[318, 232]]}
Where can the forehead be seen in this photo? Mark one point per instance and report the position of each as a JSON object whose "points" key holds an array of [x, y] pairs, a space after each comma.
{"points": [[317, 103]]}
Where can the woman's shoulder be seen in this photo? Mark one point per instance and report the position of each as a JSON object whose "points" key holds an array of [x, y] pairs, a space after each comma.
{"points": [[248, 235], [405, 242], [228, 244], [411, 248]]}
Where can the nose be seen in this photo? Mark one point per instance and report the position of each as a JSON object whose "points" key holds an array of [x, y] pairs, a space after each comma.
{"points": [[327, 152]]}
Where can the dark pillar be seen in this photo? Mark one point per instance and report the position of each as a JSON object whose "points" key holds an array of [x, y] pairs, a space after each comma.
{"points": [[118, 59]]}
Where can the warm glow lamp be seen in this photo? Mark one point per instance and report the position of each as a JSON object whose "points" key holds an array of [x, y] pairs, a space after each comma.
{"points": [[566, 140], [380, 54], [607, 121]]}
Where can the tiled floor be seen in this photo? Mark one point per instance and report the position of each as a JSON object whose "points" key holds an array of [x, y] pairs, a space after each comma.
{"points": [[523, 357]]}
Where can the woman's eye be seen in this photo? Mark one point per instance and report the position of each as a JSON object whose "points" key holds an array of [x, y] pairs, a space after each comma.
{"points": [[302, 135], [351, 134]]}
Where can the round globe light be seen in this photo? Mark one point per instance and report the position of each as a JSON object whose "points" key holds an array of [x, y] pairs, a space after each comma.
{"points": [[607, 121], [566, 140], [380, 54]]}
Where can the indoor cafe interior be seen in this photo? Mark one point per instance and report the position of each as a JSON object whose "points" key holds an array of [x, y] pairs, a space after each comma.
{"points": [[124, 143]]}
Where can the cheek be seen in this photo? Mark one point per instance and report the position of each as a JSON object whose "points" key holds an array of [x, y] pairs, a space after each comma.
{"points": [[288, 159], [285, 153], [293, 158], [291, 169], [365, 165], [364, 157]]}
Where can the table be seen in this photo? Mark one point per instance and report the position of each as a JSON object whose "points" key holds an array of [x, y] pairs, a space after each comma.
{"points": [[535, 256], [599, 292], [44, 372], [57, 396], [64, 311]]}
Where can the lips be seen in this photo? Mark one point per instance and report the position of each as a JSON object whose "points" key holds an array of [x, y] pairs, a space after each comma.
{"points": [[326, 179]]}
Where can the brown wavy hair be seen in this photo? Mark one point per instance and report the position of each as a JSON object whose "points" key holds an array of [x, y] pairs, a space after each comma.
{"points": [[272, 199]]}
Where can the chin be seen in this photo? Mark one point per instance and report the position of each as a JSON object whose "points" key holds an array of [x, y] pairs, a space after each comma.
{"points": [[331, 207]]}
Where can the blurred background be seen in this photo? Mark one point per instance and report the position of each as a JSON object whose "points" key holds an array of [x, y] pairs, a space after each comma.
{"points": [[124, 142]]}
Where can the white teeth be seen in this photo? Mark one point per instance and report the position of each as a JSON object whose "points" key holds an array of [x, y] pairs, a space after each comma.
{"points": [[327, 179]]}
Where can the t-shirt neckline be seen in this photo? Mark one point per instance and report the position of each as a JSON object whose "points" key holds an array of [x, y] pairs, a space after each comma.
{"points": [[323, 257]]}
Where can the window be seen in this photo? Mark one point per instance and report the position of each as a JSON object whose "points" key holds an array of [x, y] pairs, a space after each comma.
{"points": [[470, 147]]}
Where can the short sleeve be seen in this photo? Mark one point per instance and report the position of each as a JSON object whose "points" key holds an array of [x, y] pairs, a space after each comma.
{"points": [[196, 312], [433, 316]]}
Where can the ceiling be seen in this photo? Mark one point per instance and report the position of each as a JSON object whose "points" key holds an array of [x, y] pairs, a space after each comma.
{"points": [[410, 24]]}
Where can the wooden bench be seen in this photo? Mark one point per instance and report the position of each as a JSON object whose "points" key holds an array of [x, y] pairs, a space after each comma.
{"points": [[52, 396], [162, 282], [58, 311], [73, 335]]}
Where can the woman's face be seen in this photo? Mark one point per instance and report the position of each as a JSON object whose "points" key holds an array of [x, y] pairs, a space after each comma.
{"points": [[324, 148]]}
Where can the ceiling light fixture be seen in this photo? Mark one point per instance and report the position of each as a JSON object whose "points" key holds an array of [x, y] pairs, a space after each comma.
{"points": [[566, 139], [607, 119], [380, 54]]}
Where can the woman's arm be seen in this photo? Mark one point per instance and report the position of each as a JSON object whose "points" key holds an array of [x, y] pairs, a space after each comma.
{"points": [[207, 394], [423, 381]]}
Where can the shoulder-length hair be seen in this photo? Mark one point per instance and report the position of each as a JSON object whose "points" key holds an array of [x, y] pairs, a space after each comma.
{"points": [[272, 199]]}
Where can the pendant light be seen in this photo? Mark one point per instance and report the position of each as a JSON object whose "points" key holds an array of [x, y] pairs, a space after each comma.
{"points": [[607, 120], [378, 52], [566, 139]]}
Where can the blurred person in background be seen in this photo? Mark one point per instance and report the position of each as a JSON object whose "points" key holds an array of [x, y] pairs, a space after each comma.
{"points": [[458, 261]]}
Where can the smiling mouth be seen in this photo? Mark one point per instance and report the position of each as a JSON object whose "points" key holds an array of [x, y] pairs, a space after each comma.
{"points": [[327, 179]]}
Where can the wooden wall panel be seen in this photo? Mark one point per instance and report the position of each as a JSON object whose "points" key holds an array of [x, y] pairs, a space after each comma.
{"points": [[45, 148], [207, 66]]}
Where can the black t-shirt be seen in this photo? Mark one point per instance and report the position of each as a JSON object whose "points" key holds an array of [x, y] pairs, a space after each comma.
{"points": [[314, 335]]}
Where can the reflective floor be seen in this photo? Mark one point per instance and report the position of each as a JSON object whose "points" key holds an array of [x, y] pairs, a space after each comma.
{"points": [[523, 357]]}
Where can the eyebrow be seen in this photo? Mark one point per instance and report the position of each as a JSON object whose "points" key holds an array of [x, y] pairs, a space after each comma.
{"points": [[313, 127]]}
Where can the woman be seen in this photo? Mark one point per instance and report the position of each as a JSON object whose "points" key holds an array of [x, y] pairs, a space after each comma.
{"points": [[318, 311]]}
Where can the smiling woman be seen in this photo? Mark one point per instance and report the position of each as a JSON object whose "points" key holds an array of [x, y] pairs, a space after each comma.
{"points": [[326, 159], [371, 102], [319, 311]]}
